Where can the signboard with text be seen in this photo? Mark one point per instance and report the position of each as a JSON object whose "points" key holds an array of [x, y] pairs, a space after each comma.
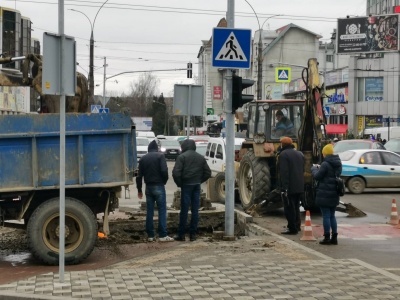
{"points": [[368, 34], [217, 93], [373, 121]]}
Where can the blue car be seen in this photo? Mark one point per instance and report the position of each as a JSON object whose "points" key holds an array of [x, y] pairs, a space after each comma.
{"points": [[370, 168]]}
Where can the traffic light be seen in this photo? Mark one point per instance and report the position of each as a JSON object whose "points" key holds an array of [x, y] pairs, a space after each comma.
{"points": [[189, 70], [238, 85]]}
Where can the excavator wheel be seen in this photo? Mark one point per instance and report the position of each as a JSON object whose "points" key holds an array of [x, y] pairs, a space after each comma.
{"points": [[254, 179]]}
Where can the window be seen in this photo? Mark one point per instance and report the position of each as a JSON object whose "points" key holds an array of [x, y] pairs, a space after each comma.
{"points": [[220, 152], [329, 58], [391, 159], [370, 89]]}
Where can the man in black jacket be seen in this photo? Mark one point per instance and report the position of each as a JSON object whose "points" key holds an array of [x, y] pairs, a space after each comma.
{"points": [[291, 179], [190, 170], [153, 168]]}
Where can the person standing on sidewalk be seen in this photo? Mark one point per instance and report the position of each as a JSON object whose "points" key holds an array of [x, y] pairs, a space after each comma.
{"points": [[190, 170], [327, 197], [291, 182], [153, 168]]}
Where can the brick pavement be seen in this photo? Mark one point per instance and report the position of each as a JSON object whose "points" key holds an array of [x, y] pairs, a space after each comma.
{"points": [[261, 266]]}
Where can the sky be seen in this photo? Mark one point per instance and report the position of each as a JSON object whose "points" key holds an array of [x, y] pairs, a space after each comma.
{"points": [[151, 35]]}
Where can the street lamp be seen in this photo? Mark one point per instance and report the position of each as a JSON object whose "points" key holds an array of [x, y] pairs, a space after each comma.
{"points": [[91, 51], [260, 58]]}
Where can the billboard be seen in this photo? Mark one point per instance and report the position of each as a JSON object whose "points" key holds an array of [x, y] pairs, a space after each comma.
{"points": [[368, 34]]}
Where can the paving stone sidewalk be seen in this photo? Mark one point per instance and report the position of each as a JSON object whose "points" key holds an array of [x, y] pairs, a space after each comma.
{"points": [[261, 266]]}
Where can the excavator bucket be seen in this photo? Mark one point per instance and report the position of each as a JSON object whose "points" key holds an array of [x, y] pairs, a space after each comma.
{"points": [[350, 209], [272, 202]]}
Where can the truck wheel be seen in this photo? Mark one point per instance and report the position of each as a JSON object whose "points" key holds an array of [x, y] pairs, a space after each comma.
{"points": [[254, 179], [219, 187], [80, 231], [356, 185]]}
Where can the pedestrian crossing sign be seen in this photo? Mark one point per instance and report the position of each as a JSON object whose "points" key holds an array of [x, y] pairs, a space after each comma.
{"points": [[283, 74], [231, 48]]}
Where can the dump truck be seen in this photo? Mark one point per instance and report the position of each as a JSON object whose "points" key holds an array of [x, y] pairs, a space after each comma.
{"points": [[31, 75], [100, 162], [257, 175]]}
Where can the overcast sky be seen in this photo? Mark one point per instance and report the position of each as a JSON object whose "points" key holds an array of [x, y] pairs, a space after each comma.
{"points": [[145, 35]]}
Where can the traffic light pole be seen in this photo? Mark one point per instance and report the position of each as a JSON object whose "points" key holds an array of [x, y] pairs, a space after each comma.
{"points": [[230, 142]]}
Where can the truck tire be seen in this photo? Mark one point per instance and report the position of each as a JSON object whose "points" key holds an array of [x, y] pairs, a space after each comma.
{"points": [[254, 179], [219, 187], [80, 231]]}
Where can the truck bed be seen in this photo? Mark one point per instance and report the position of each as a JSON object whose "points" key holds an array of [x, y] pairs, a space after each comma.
{"points": [[99, 151]]}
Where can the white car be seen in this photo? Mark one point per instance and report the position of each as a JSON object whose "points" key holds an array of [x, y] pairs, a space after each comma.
{"points": [[370, 168], [216, 153], [142, 144]]}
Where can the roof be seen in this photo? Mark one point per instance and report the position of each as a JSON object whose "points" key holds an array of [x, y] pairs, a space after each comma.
{"points": [[282, 31]]}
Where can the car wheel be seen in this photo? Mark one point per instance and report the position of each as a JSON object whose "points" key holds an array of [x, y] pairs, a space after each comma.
{"points": [[219, 187], [356, 185]]}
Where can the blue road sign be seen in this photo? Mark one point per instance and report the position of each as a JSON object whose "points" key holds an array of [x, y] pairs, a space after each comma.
{"points": [[104, 110], [387, 120], [231, 48]]}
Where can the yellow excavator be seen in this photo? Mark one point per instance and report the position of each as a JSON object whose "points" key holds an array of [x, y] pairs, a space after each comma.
{"points": [[257, 175], [31, 75]]}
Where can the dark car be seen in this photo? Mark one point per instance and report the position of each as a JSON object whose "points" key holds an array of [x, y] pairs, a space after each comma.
{"points": [[393, 145], [170, 148], [345, 145]]}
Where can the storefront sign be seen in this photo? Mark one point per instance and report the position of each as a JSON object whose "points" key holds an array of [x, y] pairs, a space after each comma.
{"points": [[373, 121], [374, 89], [217, 93]]}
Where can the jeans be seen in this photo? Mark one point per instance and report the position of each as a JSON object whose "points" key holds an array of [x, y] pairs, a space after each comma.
{"points": [[291, 208], [190, 196], [329, 220], [156, 194]]}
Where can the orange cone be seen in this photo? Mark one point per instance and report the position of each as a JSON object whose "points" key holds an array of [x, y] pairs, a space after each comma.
{"points": [[307, 232], [394, 217]]}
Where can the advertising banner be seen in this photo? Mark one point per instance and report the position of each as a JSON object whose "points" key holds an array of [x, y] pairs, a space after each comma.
{"points": [[373, 121], [374, 89], [217, 93], [368, 34]]}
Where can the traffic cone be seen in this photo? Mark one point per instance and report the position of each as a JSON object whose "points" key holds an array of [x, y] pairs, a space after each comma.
{"points": [[307, 232], [394, 217]]}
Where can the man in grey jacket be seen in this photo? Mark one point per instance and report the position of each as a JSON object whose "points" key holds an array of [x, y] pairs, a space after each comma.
{"points": [[190, 170]]}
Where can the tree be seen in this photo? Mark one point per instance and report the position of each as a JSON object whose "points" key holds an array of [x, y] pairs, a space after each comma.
{"points": [[159, 115], [142, 94]]}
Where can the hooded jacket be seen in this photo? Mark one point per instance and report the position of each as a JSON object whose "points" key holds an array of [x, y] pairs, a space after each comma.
{"points": [[331, 167], [190, 166], [152, 167]]}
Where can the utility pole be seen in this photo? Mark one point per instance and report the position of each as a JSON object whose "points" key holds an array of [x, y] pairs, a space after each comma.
{"points": [[104, 83], [260, 67], [230, 142]]}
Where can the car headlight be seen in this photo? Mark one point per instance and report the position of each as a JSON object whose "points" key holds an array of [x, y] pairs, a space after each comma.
{"points": [[259, 138], [163, 149]]}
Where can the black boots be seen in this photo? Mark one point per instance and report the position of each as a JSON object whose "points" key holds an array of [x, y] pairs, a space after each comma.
{"points": [[326, 240], [329, 241], [334, 239]]}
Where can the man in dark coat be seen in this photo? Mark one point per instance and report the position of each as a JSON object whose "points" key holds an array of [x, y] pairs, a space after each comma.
{"points": [[153, 168], [190, 170], [291, 181]]}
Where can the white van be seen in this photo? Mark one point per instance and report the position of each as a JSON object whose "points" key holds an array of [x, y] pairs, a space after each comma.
{"points": [[148, 134], [383, 132]]}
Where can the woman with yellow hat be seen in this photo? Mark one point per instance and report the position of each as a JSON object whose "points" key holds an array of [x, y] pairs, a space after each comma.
{"points": [[327, 197]]}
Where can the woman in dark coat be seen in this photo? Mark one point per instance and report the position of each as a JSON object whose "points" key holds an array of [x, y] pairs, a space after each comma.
{"points": [[327, 197]]}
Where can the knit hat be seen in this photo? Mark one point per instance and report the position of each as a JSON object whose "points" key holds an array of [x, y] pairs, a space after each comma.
{"points": [[327, 150], [286, 141]]}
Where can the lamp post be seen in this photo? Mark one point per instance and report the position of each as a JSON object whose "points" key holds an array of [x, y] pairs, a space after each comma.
{"points": [[260, 58], [91, 51]]}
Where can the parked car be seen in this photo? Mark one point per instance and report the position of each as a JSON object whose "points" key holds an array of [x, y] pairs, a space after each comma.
{"points": [[142, 144], [216, 153], [370, 168], [170, 148], [345, 145], [393, 145]]}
